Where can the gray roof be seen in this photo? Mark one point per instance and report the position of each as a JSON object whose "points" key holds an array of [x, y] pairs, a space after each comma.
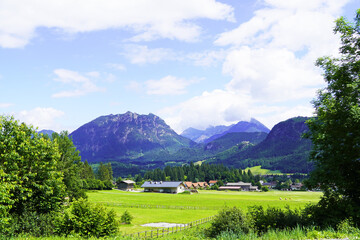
{"points": [[238, 184], [128, 181], [160, 184]]}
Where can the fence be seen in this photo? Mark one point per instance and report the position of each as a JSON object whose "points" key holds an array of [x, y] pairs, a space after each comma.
{"points": [[164, 231], [158, 206]]}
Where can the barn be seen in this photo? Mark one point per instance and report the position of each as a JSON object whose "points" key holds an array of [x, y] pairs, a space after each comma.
{"points": [[163, 187], [126, 185]]}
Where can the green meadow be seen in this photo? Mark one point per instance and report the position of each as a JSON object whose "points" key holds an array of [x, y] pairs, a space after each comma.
{"points": [[184, 208]]}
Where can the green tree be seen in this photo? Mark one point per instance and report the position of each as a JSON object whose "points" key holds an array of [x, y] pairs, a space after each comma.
{"points": [[70, 165], [335, 132], [30, 163], [126, 217]]}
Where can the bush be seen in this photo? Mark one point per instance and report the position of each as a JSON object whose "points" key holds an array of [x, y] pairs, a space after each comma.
{"points": [[264, 189], [32, 223], [229, 220], [275, 218], [126, 217], [88, 220]]}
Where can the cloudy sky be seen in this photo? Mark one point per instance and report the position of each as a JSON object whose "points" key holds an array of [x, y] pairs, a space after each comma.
{"points": [[194, 63]]}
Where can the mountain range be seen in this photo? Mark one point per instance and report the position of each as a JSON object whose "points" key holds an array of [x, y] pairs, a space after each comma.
{"points": [[134, 143], [129, 135], [212, 133]]}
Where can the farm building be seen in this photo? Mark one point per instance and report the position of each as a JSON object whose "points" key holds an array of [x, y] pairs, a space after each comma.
{"points": [[126, 185], [201, 185], [212, 182], [239, 186], [163, 187], [188, 185]]}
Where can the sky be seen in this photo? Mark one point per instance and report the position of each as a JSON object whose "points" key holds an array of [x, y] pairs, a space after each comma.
{"points": [[194, 63]]}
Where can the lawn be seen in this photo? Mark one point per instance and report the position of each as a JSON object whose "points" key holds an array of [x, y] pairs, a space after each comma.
{"points": [[182, 208], [257, 170]]}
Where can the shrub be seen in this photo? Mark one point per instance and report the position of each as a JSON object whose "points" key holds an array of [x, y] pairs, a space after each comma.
{"points": [[229, 220], [33, 223], [264, 189], [274, 218], [87, 220], [126, 217]]}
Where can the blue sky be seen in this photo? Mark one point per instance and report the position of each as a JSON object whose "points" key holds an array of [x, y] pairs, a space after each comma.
{"points": [[193, 63]]}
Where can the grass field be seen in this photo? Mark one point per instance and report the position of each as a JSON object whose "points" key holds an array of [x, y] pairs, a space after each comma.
{"points": [[257, 170], [182, 208]]}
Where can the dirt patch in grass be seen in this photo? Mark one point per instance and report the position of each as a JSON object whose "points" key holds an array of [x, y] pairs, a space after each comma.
{"points": [[164, 225]]}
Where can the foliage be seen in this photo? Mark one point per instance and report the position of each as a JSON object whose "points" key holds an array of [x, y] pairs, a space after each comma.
{"points": [[335, 131], [230, 220], [88, 220], [32, 223], [275, 218], [126, 217], [203, 172], [29, 162], [70, 165]]}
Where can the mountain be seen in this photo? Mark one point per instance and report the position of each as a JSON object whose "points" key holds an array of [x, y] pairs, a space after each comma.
{"points": [[126, 136], [283, 149], [212, 133], [232, 139], [200, 136], [242, 126], [46, 132]]}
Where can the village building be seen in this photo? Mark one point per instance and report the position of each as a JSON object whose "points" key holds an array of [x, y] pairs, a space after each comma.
{"points": [[188, 185], [212, 182], [163, 187], [296, 186], [126, 185], [270, 185], [202, 185], [239, 186]]}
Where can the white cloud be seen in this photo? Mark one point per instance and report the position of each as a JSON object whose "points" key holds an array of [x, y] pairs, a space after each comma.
{"points": [[168, 85], [271, 75], [117, 66], [271, 61], [207, 58], [41, 118], [5, 105], [134, 86], [148, 19], [211, 108], [81, 85], [141, 54]]}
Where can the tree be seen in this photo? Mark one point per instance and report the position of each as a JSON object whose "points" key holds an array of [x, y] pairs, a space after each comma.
{"points": [[335, 131], [28, 162], [70, 165]]}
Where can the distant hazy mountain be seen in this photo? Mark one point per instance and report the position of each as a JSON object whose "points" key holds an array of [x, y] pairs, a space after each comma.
{"points": [[232, 139], [212, 133], [47, 132], [128, 135], [242, 126], [200, 136], [283, 149]]}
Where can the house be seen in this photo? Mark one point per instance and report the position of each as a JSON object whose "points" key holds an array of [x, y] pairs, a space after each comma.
{"points": [[270, 185], [212, 182], [163, 187], [188, 185], [126, 185], [239, 186], [296, 186], [202, 185]]}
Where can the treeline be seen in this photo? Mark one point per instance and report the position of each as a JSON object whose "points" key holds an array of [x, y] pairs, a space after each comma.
{"points": [[102, 179], [201, 173]]}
